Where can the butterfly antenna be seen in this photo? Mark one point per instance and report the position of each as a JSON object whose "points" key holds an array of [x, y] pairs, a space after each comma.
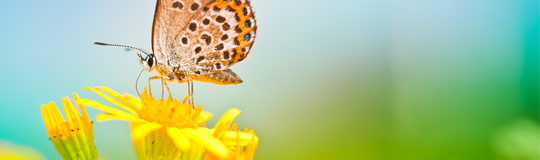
{"points": [[120, 45]]}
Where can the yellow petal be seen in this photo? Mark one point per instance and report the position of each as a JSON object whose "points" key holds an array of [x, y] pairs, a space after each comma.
{"points": [[70, 117], [205, 130], [112, 100], [225, 121], [46, 118], [70, 109], [239, 138], [57, 119], [107, 109], [83, 110], [185, 99], [207, 141], [179, 138], [204, 116], [127, 99], [137, 104], [140, 130], [108, 116]]}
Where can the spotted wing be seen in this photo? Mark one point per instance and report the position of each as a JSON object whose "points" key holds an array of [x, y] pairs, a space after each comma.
{"points": [[223, 77], [221, 35], [170, 18]]}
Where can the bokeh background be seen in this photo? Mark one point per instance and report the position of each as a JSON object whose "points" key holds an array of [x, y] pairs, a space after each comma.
{"points": [[345, 79]]}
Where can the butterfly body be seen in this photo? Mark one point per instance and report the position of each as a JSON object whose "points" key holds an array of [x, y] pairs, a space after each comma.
{"points": [[200, 39]]}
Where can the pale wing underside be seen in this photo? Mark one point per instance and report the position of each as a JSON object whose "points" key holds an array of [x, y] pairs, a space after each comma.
{"points": [[224, 40], [170, 18], [203, 37], [224, 77]]}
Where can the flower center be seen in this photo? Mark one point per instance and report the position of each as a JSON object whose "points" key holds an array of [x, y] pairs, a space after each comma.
{"points": [[169, 112]]}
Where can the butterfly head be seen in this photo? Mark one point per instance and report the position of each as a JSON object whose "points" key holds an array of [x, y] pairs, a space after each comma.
{"points": [[147, 61]]}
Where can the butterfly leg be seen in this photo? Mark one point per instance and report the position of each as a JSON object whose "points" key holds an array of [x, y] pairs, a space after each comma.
{"points": [[162, 88], [150, 79], [192, 101], [190, 93], [166, 86]]}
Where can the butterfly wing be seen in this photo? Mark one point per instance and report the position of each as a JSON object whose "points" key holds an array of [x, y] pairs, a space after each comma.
{"points": [[171, 17], [223, 77], [203, 37]]}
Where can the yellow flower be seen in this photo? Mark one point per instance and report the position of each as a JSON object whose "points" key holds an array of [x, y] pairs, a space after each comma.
{"points": [[163, 128], [13, 151], [241, 144], [73, 137]]}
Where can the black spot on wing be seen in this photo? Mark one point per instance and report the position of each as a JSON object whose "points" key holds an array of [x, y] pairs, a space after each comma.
{"points": [[193, 27], [247, 37], [220, 19], [184, 40], [247, 23], [198, 50], [178, 5], [226, 26], [238, 29], [206, 21], [199, 59], [224, 37], [219, 47], [194, 6], [236, 41], [225, 54], [206, 38]]}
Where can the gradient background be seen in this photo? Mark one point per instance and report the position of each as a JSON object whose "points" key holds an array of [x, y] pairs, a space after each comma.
{"points": [[347, 79]]}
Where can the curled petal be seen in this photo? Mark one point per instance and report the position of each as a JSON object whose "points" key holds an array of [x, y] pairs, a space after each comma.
{"points": [[207, 141], [140, 130], [225, 121], [105, 108], [131, 101], [204, 116], [181, 141], [112, 100], [109, 116], [239, 138]]}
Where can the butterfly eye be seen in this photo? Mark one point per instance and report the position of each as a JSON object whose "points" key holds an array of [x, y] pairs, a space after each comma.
{"points": [[150, 61]]}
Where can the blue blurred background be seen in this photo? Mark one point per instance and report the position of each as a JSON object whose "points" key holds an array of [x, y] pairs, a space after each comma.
{"points": [[345, 79]]}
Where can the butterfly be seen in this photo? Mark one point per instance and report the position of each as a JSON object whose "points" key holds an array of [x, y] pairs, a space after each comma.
{"points": [[198, 40]]}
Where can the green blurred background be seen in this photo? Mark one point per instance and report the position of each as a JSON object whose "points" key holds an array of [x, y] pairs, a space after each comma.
{"points": [[345, 79]]}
